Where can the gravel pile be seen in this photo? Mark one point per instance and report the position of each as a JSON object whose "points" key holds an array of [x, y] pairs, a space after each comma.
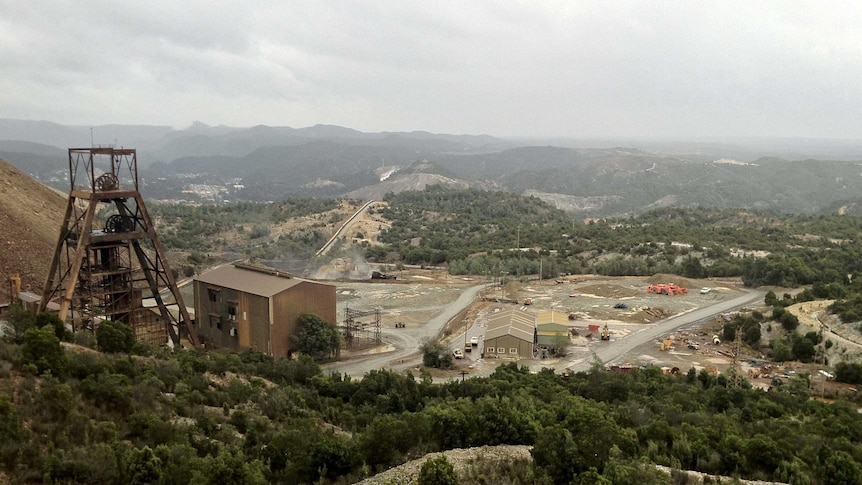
{"points": [[463, 458], [460, 458]]}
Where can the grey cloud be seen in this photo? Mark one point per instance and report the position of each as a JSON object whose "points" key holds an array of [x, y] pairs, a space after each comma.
{"points": [[534, 68]]}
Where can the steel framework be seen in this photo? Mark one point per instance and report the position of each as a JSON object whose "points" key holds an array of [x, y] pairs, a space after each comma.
{"points": [[352, 327], [109, 273]]}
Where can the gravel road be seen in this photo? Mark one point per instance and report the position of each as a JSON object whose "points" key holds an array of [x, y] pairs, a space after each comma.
{"points": [[406, 341], [402, 345], [615, 349]]}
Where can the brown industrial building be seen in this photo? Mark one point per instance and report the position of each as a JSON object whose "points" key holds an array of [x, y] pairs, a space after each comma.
{"points": [[510, 334], [243, 307]]}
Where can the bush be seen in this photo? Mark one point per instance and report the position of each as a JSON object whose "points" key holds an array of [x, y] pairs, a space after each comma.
{"points": [[438, 471], [115, 337], [42, 349], [849, 372], [435, 354], [789, 321]]}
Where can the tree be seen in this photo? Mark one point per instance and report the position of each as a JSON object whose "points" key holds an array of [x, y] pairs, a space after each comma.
{"points": [[841, 469], [52, 319], [555, 452], [691, 268], [143, 466], [789, 321], [780, 350], [42, 348], [803, 348], [849, 372], [115, 337], [560, 344], [437, 471], [435, 354], [20, 320], [316, 337]]}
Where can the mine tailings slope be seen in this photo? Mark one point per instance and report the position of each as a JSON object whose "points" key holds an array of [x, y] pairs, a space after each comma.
{"points": [[30, 218]]}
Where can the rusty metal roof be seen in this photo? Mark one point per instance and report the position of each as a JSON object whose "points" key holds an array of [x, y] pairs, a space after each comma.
{"points": [[517, 323], [250, 281]]}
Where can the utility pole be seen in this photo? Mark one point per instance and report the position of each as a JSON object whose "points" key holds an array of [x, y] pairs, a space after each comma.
{"points": [[520, 269]]}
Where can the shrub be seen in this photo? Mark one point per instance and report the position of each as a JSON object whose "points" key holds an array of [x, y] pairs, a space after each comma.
{"points": [[115, 337], [438, 471], [42, 349]]}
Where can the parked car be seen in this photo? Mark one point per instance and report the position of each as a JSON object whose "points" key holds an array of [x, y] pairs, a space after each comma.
{"points": [[458, 354], [474, 341], [621, 305], [705, 290]]}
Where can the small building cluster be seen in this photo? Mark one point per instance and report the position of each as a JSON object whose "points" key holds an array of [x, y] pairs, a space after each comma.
{"points": [[517, 334]]}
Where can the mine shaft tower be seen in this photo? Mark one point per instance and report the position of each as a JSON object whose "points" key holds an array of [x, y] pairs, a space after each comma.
{"points": [[109, 273]]}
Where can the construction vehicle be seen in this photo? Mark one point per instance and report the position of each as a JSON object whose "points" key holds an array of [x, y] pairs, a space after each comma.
{"points": [[606, 334], [667, 289], [666, 344], [655, 288], [377, 275]]}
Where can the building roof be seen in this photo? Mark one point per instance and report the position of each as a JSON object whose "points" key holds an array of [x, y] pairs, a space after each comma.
{"points": [[257, 282], [517, 323], [551, 316]]}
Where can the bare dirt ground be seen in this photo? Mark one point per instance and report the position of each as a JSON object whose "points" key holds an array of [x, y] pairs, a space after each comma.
{"points": [[367, 227], [30, 219], [589, 300]]}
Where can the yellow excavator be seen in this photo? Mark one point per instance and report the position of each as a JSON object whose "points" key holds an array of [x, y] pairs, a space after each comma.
{"points": [[606, 334]]}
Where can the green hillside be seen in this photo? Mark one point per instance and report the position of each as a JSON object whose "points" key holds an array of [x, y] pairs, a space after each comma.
{"points": [[73, 415]]}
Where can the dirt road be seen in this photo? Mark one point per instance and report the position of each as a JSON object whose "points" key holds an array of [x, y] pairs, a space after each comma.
{"points": [[405, 341], [609, 352]]}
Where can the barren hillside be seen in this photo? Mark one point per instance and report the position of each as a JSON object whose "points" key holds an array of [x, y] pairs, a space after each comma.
{"points": [[30, 218], [413, 181]]}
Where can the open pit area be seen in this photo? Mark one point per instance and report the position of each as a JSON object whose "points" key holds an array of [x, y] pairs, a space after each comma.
{"points": [[419, 294]]}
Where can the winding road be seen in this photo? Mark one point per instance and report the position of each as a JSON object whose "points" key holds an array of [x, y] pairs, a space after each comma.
{"points": [[406, 341]]}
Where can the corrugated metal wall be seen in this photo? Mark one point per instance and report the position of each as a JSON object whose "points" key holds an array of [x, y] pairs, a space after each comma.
{"points": [[288, 306], [254, 329], [525, 349]]}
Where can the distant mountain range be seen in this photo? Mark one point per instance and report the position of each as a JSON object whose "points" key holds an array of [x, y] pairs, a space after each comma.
{"points": [[592, 178]]}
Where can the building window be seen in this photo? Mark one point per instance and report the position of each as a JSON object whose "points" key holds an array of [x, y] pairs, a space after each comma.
{"points": [[231, 313], [501, 350], [213, 294], [513, 350], [215, 321]]}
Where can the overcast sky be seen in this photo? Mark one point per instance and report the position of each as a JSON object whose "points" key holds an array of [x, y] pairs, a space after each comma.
{"points": [[570, 68]]}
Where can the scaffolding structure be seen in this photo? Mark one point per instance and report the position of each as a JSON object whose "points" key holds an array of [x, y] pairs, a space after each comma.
{"points": [[352, 327], [118, 272]]}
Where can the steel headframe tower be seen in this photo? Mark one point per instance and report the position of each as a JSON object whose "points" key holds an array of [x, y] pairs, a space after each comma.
{"points": [[107, 273]]}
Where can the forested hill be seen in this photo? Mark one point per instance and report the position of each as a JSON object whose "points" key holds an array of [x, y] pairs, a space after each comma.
{"points": [[273, 163], [618, 181], [74, 415]]}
